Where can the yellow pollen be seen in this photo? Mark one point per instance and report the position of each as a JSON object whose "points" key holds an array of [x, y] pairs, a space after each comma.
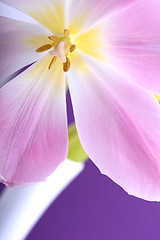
{"points": [[157, 97], [53, 38], [52, 62], [156, 155], [44, 48], [67, 33], [72, 48], [66, 65]]}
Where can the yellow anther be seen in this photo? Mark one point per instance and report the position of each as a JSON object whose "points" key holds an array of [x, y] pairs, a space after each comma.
{"points": [[67, 33], [158, 98], [72, 48], [156, 155], [66, 65], [53, 38], [44, 48], [52, 62]]}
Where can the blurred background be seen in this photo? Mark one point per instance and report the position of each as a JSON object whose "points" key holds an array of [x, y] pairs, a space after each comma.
{"points": [[93, 207]]}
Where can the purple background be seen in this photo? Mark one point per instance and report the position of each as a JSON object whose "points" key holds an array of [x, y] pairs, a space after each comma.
{"points": [[93, 207]]}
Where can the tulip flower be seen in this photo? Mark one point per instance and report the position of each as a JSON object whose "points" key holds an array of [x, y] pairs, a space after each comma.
{"points": [[107, 52]]}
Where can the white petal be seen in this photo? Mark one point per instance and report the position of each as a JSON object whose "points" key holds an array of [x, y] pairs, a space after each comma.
{"points": [[18, 43], [51, 13]]}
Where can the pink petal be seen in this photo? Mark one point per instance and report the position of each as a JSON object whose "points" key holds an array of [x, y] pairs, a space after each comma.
{"points": [[19, 41], [86, 13], [133, 44], [118, 126], [33, 124]]}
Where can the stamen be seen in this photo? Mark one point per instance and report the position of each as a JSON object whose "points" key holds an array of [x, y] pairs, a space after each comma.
{"points": [[52, 62], [60, 47], [72, 48], [156, 155], [158, 97], [53, 38], [44, 48], [66, 65], [67, 33]]}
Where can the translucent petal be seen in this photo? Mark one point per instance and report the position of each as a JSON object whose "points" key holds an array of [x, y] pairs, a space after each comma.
{"points": [[118, 126], [33, 124]]}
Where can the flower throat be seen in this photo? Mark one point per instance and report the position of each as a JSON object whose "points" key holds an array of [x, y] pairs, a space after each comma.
{"points": [[62, 48]]}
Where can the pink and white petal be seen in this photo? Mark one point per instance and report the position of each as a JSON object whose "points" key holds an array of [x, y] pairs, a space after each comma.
{"points": [[51, 13], [18, 44], [85, 13], [33, 124], [118, 126], [133, 44]]}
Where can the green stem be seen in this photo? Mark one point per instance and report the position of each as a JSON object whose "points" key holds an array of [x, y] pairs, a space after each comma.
{"points": [[76, 152]]}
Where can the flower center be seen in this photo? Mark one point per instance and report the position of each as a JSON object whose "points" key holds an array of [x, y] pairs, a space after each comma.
{"points": [[61, 47]]}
